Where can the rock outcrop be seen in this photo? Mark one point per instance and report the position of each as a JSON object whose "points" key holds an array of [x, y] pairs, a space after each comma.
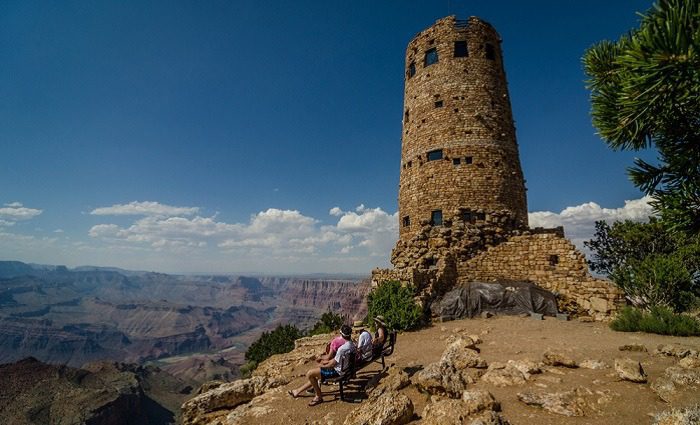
{"points": [[100, 394], [458, 366], [630, 370], [390, 408]]}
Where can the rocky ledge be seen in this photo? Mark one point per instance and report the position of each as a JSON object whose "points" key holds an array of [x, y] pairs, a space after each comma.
{"points": [[479, 371]]}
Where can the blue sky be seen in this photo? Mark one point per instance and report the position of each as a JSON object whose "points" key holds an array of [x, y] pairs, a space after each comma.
{"points": [[264, 136]]}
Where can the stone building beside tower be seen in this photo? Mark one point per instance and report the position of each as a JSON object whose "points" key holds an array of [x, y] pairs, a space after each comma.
{"points": [[462, 196]]}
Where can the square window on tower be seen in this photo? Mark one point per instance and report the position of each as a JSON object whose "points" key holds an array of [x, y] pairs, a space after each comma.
{"points": [[461, 49], [439, 104], [490, 51], [436, 218], [411, 69], [406, 221], [435, 155], [431, 57]]}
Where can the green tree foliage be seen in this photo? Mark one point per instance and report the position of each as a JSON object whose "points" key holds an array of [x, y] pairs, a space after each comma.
{"points": [[280, 340], [395, 302], [654, 267], [644, 92], [329, 322], [659, 321]]}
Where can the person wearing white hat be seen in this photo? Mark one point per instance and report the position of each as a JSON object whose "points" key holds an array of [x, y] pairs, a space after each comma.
{"points": [[364, 341]]}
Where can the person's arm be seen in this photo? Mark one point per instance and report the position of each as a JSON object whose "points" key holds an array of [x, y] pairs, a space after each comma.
{"points": [[329, 363]]}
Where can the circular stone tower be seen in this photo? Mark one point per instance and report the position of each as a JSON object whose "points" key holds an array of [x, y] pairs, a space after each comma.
{"points": [[459, 156]]}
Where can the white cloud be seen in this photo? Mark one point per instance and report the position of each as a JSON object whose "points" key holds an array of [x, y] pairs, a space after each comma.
{"points": [[270, 234], [15, 211], [579, 221], [144, 208]]}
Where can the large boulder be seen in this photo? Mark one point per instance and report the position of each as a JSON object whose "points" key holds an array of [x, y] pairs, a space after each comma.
{"points": [[674, 350], [462, 353], [685, 416], [393, 380], [630, 370], [555, 358], [515, 372], [458, 366], [225, 396], [676, 383], [441, 378], [567, 403], [391, 408], [475, 407]]}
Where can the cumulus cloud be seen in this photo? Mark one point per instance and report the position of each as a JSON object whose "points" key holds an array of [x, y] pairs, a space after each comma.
{"points": [[15, 211], [579, 221], [272, 233], [145, 208]]}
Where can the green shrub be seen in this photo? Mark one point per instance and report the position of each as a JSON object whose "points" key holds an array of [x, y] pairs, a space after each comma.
{"points": [[329, 322], [247, 369], [657, 281], [395, 302], [659, 320], [280, 340]]}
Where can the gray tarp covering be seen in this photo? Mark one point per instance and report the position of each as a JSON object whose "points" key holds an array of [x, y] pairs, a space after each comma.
{"points": [[497, 298]]}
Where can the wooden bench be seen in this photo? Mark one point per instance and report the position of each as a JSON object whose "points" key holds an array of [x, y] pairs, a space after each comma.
{"points": [[355, 366]]}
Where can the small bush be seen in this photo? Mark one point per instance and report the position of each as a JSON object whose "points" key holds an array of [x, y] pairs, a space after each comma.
{"points": [[659, 320], [280, 340], [395, 302], [329, 322]]}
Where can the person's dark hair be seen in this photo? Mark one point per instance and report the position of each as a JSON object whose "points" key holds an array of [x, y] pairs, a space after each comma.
{"points": [[346, 331]]}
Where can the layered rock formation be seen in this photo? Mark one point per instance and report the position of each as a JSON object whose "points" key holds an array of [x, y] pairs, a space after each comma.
{"points": [[98, 394], [76, 316]]}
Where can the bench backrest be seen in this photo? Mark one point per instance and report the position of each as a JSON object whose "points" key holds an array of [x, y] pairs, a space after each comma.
{"points": [[389, 346]]}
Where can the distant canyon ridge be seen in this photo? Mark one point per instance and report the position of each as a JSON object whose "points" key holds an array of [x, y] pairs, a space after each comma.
{"points": [[194, 327]]}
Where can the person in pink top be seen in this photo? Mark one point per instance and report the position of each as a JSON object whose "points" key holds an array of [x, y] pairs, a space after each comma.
{"points": [[331, 349]]}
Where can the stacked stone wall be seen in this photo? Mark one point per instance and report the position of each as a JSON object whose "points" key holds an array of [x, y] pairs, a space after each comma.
{"points": [[550, 261]]}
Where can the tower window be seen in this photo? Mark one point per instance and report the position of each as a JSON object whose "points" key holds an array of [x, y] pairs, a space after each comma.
{"points": [[406, 221], [431, 57], [436, 218], [490, 51], [468, 160], [456, 161], [553, 260], [465, 215], [435, 155], [409, 164], [461, 49], [405, 116], [438, 104], [411, 69]]}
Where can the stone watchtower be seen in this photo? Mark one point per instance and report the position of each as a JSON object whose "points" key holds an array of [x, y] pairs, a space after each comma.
{"points": [[462, 203], [459, 156]]}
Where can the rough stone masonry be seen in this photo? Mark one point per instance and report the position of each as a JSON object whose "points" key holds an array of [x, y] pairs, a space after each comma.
{"points": [[462, 200]]}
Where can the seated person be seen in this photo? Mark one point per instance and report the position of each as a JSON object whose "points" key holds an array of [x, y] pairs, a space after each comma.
{"points": [[379, 336], [328, 369], [331, 349], [364, 341]]}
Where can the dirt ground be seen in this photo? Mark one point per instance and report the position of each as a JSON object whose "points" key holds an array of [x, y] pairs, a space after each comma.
{"points": [[511, 338]]}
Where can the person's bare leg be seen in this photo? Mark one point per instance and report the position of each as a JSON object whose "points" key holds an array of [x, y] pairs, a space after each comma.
{"points": [[309, 384], [314, 376]]}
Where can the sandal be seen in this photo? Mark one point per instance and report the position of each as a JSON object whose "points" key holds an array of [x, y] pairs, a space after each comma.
{"points": [[291, 393], [315, 401]]}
